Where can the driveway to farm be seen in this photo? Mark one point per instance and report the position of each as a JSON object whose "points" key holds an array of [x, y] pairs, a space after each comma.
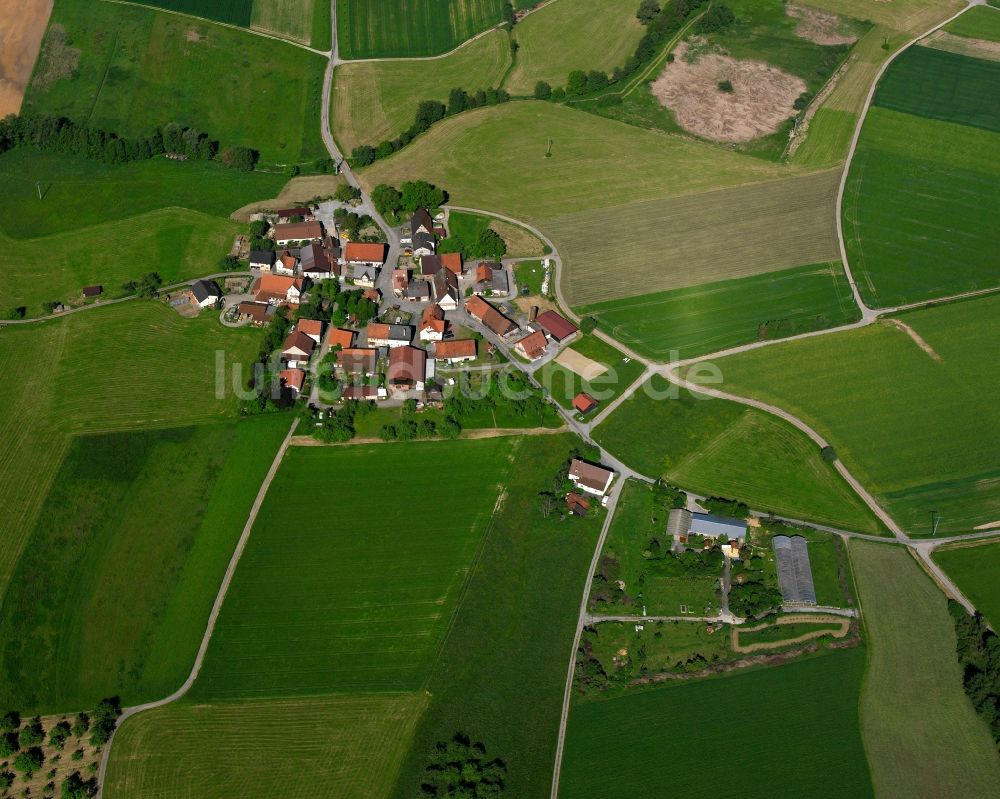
{"points": [[213, 616]]}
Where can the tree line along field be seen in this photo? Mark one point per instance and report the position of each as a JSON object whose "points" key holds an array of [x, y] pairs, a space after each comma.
{"points": [[907, 712], [348, 746], [408, 28], [924, 179], [127, 69], [70, 640], [796, 726], [911, 425], [687, 322], [373, 101], [719, 448], [354, 605], [974, 569], [125, 367], [561, 37]]}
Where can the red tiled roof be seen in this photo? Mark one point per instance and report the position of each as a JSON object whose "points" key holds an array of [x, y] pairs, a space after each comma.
{"points": [[300, 341], [298, 231], [532, 346], [407, 365], [359, 251], [357, 359], [311, 327], [378, 330], [340, 337], [555, 325], [481, 310], [255, 310], [452, 261], [584, 403], [458, 348], [293, 378]]}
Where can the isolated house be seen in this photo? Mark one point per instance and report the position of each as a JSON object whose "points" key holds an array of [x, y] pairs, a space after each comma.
{"points": [[446, 290], [407, 368], [360, 253], [532, 346], [432, 324], [263, 260], [578, 504], [93, 291], [490, 317], [297, 231], [292, 378], [589, 477], [584, 403], [555, 326], [205, 294], [297, 349], [277, 289], [455, 351]]}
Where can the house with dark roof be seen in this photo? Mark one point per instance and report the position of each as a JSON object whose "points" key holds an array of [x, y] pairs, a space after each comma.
{"points": [[407, 368], [302, 212], [297, 349], [205, 294], [490, 317], [430, 265], [590, 478], [418, 291], [263, 259], [379, 334], [491, 278], [423, 244], [421, 222], [257, 313], [93, 291], [556, 326], [317, 262], [446, 293], [357, 362]]}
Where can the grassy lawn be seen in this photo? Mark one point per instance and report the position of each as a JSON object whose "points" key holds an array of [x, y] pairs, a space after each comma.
{"points": [[974, 569], [138, 68], [829, 137], [234, 12], [361, 606], [524, 591], [636, 744], [686, 322], [720, 448], [560, 37], [907, 712], [70, 641], [292, 19], [676, 242], [658, 585], [977, 23], [377, 100], [563, 384], [77, 193], [405, 28], [322, 31], [530, 274], [345, 746], [917, 208], [919, 432], [127, 367]]}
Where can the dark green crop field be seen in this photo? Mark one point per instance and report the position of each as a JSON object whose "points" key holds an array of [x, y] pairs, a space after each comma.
{"points": [[687, 322], [784, 731], [386, 28], [354, 568], [935, 84], [69, 637], [235, 12]]}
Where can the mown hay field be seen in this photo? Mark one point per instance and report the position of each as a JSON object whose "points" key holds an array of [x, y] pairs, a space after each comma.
{"points": [[138, 68], [407, 28], [687, 322], [719, 448], [563, 35], [373, 101], [356, 595], [292, 19], [907, 712], [697, 238], [70, 640], [126, 367], [974, 569], [502, 670], [800, 721], [920, 429], [344, 746]]}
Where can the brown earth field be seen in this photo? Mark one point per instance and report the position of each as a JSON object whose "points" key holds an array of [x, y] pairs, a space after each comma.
{"points": [[21, 32], [760, 100]]}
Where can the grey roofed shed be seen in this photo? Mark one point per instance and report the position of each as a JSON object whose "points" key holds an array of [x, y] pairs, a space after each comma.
{"points": [[718, 526], [794, 572], [678, 522]]}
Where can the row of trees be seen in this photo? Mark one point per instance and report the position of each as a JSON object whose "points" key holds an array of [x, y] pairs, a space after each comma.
{"points": [[428, 113], [61, 135], [978, 649]]}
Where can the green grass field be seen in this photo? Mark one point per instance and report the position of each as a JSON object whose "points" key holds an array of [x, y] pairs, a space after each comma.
{"points": [[561, 36], [376, 100], [364, 597], [977, 23], [658, 742], [920, 433], [694, 321], [138, 68], [563, 384], [720, 448], [344, 746], [233, 12], [974, 570], [407, 28], [291, 19], [127, 367], [502, 669], [70, 640], [907, 712]]}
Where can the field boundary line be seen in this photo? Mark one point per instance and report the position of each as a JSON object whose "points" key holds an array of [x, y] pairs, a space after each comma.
{"points": [[221, 24], [212, 618]]}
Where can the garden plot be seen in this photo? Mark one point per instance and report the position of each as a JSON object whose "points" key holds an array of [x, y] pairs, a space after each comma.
{"points": [[759, 98]]}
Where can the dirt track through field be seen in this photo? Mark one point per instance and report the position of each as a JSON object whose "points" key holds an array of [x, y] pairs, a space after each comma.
{"points": [[845, 625], [24, 23], [917, 338]]}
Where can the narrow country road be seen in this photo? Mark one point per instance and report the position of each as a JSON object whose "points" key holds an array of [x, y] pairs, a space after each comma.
{"points": [[213, 616]]}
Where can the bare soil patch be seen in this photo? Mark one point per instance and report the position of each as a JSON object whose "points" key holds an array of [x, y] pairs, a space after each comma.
{"points": [[21, 35], [760, 101], [960, 45], [917, 338], [587, 368], [844, 623], [820, 27]]}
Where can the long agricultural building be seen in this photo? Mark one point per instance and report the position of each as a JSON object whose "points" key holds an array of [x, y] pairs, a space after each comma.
{"points": [[794, 572]]}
